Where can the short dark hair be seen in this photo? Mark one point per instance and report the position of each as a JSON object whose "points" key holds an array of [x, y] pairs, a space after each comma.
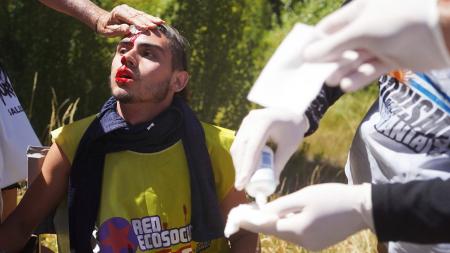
{"points": [[178, 46]]}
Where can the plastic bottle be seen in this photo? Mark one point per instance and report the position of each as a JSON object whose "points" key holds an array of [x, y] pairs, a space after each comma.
{"points": [[263, 184]]}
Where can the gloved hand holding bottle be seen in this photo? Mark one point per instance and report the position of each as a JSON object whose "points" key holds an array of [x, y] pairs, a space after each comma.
{"points": [[387, 35], [283, 128]]}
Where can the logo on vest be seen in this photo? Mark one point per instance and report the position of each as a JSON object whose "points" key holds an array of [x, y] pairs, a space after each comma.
{"points": [[151, 235], [118, 235]]}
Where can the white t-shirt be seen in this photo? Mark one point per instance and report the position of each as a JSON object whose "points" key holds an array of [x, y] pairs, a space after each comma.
{"points": [[405, 136], [16, 134]]}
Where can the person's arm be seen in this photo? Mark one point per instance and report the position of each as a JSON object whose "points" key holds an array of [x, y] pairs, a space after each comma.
{"points": [[314, 217], [319, 106], [283, 128], [243, 241], [83, 10], [382, 34], [41, 198], [114, 23], [321, 215], [417, 211]]}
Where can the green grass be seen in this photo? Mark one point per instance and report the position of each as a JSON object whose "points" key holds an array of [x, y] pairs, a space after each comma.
{"points": [[363, 242], [333, 139]]}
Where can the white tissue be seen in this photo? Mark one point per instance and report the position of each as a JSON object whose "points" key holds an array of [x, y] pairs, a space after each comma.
{"points": [[287, 82]]}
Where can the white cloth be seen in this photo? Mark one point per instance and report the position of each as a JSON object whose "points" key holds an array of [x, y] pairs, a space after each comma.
{"points": [[287, 82], [16, 134], [405, 136]]}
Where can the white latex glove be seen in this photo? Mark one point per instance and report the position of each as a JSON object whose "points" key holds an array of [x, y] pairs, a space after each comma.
{"points": [[284, 128], [249, 216], [315, 217], [388, 34]]}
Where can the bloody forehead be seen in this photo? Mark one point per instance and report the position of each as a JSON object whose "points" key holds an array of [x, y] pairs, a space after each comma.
{"points": [[132, 37]]}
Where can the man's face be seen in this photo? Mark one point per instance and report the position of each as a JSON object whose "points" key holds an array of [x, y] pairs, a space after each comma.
{"points": [[141, 69]]}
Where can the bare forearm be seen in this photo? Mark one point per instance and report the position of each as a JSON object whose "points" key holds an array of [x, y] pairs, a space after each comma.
{"points": [[83, 10], [12, 237], [18, 227], [43, 196]]}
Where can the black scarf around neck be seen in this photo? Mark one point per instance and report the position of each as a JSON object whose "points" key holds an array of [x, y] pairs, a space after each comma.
{"points": [[109, 133]]}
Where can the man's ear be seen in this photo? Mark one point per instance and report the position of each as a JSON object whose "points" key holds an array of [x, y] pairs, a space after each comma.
{"points": [[179, 80]]}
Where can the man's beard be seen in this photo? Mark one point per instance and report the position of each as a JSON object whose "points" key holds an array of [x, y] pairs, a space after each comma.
{"points": [[124, 98], [159, 93]]}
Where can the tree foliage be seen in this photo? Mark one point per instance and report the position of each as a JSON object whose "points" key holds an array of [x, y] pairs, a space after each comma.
{"points": [[230, 43], [66, 55], [225, 41]]}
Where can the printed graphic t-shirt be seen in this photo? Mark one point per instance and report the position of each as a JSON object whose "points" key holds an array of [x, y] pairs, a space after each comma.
{"points": [[145, 200], [406, 133], [16, 134], [405, 136]]}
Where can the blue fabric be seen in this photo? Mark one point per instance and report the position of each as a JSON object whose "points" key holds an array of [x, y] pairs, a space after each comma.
{"points": [[110, 133]]}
